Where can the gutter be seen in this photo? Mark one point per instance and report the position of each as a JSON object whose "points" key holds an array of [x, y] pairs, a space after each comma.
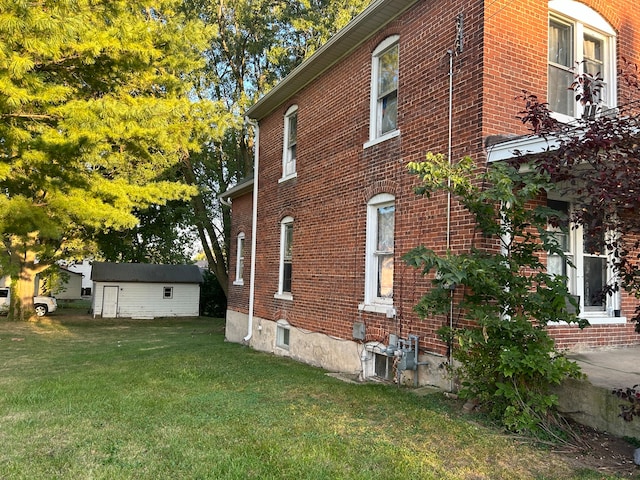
{"points": [[254, 227], [500, 148], [362, 27], [240, 189]]}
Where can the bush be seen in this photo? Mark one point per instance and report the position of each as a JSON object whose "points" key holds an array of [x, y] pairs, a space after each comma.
{"points": [[506, 358], [213, 301]]}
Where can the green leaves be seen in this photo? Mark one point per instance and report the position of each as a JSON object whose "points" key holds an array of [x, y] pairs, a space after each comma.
{"points": [[96, 115], [500, 286]]}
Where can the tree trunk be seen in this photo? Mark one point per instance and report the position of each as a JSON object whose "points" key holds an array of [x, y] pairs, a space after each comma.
{"points": [[24, 269], [206, 230]]}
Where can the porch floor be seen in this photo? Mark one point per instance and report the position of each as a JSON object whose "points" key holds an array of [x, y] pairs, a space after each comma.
{"points": [[611, 368]]}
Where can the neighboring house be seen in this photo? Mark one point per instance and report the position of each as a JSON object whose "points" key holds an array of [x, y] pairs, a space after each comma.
{"points": [[138, 290], [317, 236], [71, 288], [83, 268]]}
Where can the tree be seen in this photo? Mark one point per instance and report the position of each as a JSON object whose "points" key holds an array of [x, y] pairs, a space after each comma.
{"points": [[258, 42], [95, 112], [501, 288], [597, 165], [163, 234]]}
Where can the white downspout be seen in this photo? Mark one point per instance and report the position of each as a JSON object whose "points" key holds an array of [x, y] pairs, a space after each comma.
{"points": [[254, 226]]}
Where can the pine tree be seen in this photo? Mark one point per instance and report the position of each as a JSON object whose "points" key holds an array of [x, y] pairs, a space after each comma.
{"points": [[95, 114]]}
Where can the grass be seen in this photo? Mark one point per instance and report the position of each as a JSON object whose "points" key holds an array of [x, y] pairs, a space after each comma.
{"points": [[97, 399]]}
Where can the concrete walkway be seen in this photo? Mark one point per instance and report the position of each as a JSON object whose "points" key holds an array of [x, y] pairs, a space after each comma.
{"points": [[613, 368]]}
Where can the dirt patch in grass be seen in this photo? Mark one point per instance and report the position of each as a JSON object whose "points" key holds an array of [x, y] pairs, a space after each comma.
{"points": [[602, 452]]}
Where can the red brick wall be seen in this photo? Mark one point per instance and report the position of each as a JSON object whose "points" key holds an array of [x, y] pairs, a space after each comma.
{"points": [[336, 176], [517, 61], [241, 208]]}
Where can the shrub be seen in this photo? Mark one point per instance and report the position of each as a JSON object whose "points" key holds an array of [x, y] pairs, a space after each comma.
{"points": [[506, 358]]}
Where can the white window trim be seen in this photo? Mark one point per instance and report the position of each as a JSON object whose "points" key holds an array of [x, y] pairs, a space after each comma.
{"points": [[584, 18], [575, 282], [240, 239], [612, 302], [164, 293], [374, 121], [280, 294], [372, 303], [281, 326], [285, 147]]}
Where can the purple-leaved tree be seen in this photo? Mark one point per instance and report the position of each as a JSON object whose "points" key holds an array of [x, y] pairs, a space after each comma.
{"points": [[597, 165]]}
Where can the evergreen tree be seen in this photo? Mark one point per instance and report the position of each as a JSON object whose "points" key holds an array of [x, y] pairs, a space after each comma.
{"points": [[94, 113]]}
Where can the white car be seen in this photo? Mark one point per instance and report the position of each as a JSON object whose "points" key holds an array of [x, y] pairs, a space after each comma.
{"points": [[42, 305]]}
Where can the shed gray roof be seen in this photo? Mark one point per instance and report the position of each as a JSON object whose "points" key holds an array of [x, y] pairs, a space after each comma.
{"points": [[145, 272]]}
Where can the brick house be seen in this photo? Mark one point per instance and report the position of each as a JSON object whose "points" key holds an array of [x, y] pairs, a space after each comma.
{"points": [[316, 274]]}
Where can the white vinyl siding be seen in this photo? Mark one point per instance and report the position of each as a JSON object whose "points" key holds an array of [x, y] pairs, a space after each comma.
{"points": [[147, 300]]}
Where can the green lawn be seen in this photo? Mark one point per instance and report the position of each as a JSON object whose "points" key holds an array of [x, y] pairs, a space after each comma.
{"points": [[85, 399]]}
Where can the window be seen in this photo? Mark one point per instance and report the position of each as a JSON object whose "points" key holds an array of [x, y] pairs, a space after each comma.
{"points": [[289, 153], [283, 334], [379, 252], [384, 90], [167, 292], [587, 269], [239, 260], [383, 366], [377, 362], [286, 257], [580, 41], [556, 264]]}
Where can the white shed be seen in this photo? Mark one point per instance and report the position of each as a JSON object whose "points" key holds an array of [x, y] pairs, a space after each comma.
{"points": [[142, 290]]}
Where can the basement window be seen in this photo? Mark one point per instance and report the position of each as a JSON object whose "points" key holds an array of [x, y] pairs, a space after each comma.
{"points": [[283, 334], [378, 362], [383, 366], [167, 292]]}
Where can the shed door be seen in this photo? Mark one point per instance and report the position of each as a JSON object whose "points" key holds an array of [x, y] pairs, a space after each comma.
{"points": [[109, 302]]}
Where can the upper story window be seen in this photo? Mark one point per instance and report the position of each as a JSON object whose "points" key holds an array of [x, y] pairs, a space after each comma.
{"points": [[240, 246], [289, 152], [384, 90], [379, 252], [580, 41], [286, 258]]}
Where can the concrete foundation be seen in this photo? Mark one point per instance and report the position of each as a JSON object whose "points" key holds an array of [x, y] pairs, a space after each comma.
{"points": [[349, 357]]}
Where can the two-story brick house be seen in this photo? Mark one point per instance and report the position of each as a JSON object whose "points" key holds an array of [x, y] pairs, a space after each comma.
{"points": [[318, 234]]}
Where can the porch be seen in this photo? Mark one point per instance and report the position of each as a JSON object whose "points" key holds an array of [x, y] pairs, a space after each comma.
{"points": [[590, 401]]}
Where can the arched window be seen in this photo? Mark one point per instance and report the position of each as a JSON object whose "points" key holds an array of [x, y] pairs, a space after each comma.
{"points": [[580, 41], [286, 258], [240, 246], [384, 90], [380, 252], [290, 143]]}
